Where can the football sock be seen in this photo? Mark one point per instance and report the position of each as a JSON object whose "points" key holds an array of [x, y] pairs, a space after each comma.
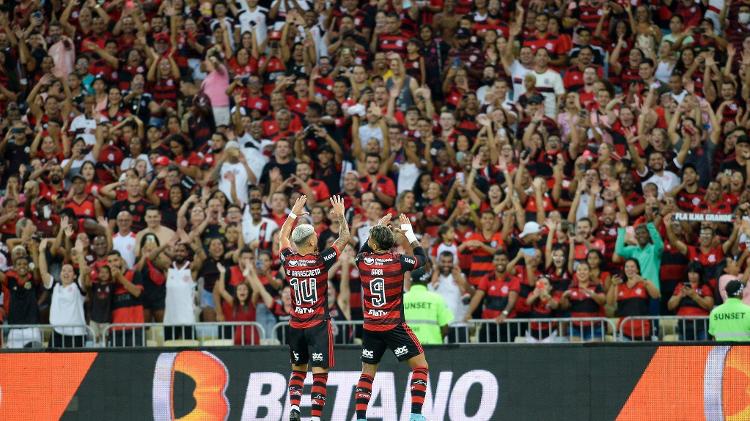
{"points": [[418, 389], [362, 395], [318, 394], [296, 384]]}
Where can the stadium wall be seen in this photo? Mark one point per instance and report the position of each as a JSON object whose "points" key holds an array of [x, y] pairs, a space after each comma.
{"points": [[477, 382]]}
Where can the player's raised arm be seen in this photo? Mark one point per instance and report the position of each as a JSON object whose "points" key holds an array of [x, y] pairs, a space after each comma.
{"points": [[286, 229], [344, 235], [420, 256]]}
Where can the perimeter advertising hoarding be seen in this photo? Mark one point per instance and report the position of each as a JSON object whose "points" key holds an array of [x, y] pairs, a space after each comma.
{"points": [[566, 382]]}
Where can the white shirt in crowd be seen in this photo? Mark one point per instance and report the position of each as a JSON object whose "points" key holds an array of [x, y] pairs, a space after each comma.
{"points": [[240, 181], [180, 298], [367, 132], [253, 20], [450, 248], [129, 163], [550, 84], [84, 128], [665, 182], [251, 231], [408, 174], [66, 307], [253, 151], [125, 244], [517, 73], [363, 233], [451, 293]]}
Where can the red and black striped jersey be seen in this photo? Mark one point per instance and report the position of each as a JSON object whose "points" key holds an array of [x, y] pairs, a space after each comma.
{"points": [[633, 302], [382, 277], [583, 305], [307, 276], [673, 264]]}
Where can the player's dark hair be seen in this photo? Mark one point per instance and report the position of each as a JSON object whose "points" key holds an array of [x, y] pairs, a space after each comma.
{"points": [[383, 237]]}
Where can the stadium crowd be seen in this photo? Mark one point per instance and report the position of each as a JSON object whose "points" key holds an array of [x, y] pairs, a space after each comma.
{"points": [[553, 155]]}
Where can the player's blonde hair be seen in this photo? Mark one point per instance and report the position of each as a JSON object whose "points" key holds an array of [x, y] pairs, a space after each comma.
{"points": [[302, 233]]}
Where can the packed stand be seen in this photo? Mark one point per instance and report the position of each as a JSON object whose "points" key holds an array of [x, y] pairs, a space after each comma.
{"points": [[152, 149]]}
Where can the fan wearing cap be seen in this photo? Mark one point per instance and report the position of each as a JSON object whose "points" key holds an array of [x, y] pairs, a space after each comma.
{"points": [[233, 173], [730, 322], [81, 203]]}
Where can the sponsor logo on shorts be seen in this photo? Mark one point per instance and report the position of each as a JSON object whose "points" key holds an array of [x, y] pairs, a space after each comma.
{"points": [[296, 355], [329, 256], [366, 353], [410, 261], [400, 351], [317, 356]]}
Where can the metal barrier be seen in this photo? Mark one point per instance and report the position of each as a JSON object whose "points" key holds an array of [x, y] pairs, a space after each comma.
{"points": [[205, 334], [47, 336], [547, 330], [345, 332], [542, 330], [663, 328]]}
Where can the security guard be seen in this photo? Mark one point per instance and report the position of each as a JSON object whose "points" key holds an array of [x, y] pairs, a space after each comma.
{"points": [[731, 320], [425, 311]]}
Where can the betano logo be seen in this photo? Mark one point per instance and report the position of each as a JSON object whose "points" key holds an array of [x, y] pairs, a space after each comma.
{"points": [[266, 393], [693, 383], [211, 379]]}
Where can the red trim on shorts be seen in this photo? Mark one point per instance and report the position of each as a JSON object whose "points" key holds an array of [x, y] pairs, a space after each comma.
{"points": [[413, 337], [331, 359]]}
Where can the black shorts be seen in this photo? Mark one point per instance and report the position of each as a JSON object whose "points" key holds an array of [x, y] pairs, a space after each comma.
{"points": [[153, 296], [313, 344], [401, 340]]}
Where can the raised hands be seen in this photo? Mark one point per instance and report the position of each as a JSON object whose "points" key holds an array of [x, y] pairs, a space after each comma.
{"points": [[337, 206], [299, 206]]}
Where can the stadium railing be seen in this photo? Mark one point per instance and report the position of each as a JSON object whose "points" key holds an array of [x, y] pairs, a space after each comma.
{"points": [[547, 330], [538, 330], [42, 336], [663, 328], [197, 334]]}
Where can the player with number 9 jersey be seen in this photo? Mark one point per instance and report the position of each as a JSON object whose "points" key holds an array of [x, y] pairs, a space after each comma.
{"points": [[382, 277], [381, 272]]}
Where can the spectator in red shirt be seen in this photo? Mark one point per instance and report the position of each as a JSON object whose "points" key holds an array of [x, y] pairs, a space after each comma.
{"points": [[692, 298], [374, 181], [630, 297], [499, 292], [584, 299]]}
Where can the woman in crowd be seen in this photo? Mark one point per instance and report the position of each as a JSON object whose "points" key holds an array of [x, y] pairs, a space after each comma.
{"points": [[585, 298], [630, 297], [692, 298]]}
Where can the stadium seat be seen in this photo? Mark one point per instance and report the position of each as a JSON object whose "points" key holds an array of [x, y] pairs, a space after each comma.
{"points": [[217, 342], [667, 327], [670, 338], [155, 336], [182, 342]]}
